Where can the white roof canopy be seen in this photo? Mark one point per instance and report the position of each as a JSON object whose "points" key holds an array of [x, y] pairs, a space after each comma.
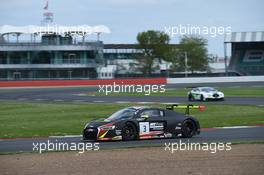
{"points": [[55, 29], [244, 37]]}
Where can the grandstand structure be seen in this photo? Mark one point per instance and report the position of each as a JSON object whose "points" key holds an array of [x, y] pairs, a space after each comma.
{"points": [[247, 52], [50, 51], [51, 56]]}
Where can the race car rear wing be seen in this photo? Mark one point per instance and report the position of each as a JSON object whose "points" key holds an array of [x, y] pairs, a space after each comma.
{"points": [[187, 107]]}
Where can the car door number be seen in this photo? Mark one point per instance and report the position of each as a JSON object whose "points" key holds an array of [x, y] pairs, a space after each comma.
{"points": [[144, 127]]}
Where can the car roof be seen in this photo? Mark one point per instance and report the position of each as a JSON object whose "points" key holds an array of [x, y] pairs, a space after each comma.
{"points": [[137, 108]]}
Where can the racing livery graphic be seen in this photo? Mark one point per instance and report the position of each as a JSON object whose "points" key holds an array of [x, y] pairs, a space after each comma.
{"points": [[143, 122], [205, 93]]}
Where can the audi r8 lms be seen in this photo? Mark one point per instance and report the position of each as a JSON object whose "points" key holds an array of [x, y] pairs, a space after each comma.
{"points": [[205, 93], [142, 122]]}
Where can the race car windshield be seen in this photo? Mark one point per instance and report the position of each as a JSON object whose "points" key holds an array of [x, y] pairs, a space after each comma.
{"points": [[122, 114], [208, 89]]}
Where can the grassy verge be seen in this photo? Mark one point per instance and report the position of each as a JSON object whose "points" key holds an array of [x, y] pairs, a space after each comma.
{"points": [[182, 92], [40, 119]]}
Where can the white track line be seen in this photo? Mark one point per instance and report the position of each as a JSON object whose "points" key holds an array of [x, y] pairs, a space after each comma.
{"points": [[123, 102], [22, 99], [145, 102], [80, 95], [66, 136], [40, 99], [170, 103], [58, 100]]}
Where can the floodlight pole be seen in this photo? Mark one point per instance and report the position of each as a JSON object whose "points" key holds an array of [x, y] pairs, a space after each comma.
{"points": [[225, 54], [83, 39], [98, 36], [186, 63]]}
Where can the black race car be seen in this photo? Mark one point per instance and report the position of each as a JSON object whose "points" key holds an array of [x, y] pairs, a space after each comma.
{"points": [[144, 123]]}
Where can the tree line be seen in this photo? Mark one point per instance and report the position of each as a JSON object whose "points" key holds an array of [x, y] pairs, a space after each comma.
{"points": [[155, 46]]}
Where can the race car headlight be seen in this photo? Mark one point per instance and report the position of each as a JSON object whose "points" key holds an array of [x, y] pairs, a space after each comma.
{"points": [[107, 127]]}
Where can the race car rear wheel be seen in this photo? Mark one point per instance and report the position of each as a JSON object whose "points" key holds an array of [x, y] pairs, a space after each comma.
{"points": [[188, 129], [129, 132], [190, 97]]}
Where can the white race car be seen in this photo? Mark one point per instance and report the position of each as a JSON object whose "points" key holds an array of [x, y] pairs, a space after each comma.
{"points": [[205, 93]]}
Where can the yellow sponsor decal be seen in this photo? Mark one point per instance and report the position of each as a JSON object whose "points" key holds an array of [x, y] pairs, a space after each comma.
{"points": [[102, 136]]}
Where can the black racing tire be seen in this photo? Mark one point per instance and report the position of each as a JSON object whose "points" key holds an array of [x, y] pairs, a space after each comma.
{"points": [[188, 129], [129, 132], [190, 97], [202, 98]]}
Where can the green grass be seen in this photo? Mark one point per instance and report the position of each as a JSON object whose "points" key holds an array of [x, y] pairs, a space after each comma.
{"points": [[182, 92], [45, 119], [33, 120], [244, 92]]}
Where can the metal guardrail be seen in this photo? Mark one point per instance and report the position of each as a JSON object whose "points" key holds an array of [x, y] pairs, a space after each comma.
{"points": [[30, 43], [46, 66], [49, 47], [215, 79]]}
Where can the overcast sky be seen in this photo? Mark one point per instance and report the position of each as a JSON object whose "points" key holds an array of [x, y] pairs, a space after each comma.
{"points": [[126, 18]]}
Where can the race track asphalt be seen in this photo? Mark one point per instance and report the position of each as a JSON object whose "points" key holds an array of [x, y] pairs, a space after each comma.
{"points": [[233, 135], [77, 94]]}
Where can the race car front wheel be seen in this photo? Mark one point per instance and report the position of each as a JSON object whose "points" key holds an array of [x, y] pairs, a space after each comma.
{"points": [[202, 98], [129, 132], [188, 129]]}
